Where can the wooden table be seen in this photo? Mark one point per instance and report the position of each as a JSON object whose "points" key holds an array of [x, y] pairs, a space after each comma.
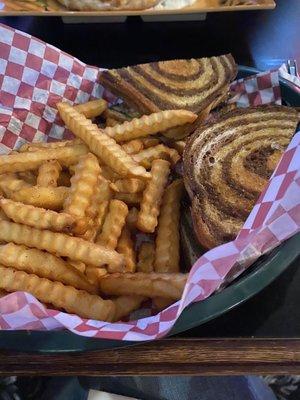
{"points": [[166, 357], [263, 335]]}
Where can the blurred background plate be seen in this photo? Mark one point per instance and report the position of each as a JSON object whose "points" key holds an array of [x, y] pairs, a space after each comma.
{"points": [[54, 8], [256, 278]]}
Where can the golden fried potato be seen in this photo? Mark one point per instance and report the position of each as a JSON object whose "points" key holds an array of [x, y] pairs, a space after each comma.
{"points": [[152, 196], [37, 217], [125, 246], [92, 108], [74, 301], [131, 199], [133, 146], [100, 144], [35, 146], [61, 244], [27, 161], [48, 173], [83, 184], [44, 197], [130, 185], [145, 157], [141, 284], [167, 239], [126, 305], [44, 265], [150, 124], [113, 224]]}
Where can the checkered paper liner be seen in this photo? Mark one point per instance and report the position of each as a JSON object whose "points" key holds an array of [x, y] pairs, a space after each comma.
{"points": [[34, 76]]}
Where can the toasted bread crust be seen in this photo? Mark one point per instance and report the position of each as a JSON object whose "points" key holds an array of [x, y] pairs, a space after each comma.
{"points": [[227, 163], [189, 84]]}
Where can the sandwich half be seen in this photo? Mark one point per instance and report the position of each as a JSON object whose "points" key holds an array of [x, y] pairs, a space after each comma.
{"points": [[197, 85], [227, 164]]}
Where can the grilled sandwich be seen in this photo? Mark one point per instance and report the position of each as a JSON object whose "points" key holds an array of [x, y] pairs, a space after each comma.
{"points": [[227, 164], [197, 85]]}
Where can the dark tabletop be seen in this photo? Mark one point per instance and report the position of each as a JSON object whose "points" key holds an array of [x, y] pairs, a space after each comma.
{"points": [[256, 38], [262, 39]]}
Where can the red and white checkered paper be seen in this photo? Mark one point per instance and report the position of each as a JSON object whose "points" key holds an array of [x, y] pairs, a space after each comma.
{"points": [[34, 76]]}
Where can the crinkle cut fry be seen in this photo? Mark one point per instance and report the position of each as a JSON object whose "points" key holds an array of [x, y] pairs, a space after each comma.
{"points": [[145, 157], [44, 265], [130, 185], [133, 146], [101, 144], [97, 210], [126, 247], [152, 196], [35, 146], [113, 224], [44, 197], [83, 184], [37, 217], [74, 301], [61, 244], [150, 124], [129, 198], [126, 305], [94, 274], [92, 109], [141, 284], [10, 183], [167, 238], [19, 162], [48, 173]]}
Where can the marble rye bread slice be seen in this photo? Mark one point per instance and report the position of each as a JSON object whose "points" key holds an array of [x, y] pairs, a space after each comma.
{"points": [[196, 85], [177, 84], [227, 164]]}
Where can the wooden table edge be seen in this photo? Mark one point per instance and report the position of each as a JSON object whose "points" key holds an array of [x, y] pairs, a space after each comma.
{"points": [[174, 356]]}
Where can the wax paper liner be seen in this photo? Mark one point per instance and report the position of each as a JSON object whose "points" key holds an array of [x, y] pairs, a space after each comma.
{"points": [[33, 77]]}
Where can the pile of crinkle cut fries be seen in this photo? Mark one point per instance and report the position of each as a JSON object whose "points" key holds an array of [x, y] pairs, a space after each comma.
{"points": [[91, 225]]}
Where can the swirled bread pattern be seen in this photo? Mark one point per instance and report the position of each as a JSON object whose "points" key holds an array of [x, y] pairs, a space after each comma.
{"points": [[227, 164], [191, 84]]}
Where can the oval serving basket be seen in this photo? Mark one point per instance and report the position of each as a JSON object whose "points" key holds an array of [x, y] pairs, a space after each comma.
{"points": [[256, 278]]}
